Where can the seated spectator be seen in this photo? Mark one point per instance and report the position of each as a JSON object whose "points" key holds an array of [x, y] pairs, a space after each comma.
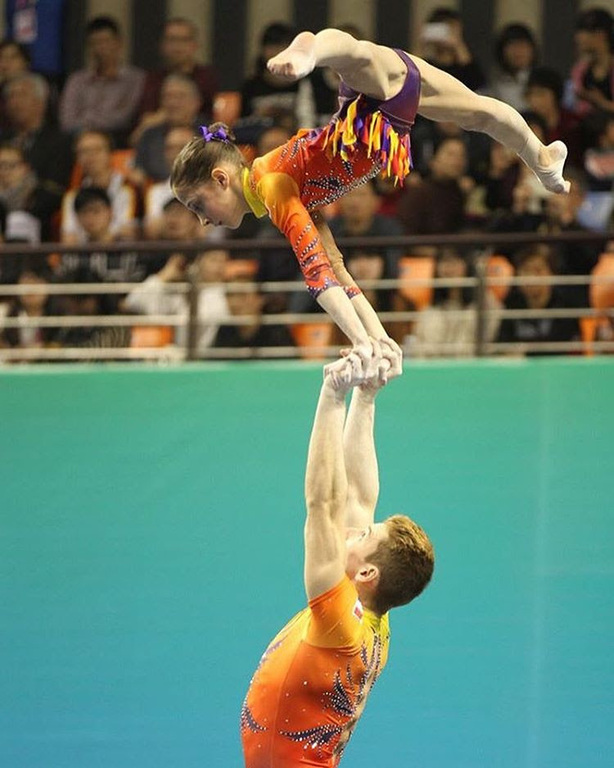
{"points": [[105, 95], [442, 44], [14, 60], [359, 217], [545, 96], [599, 160], [179, 108], [94, 157], [95, 161], [88, 304], [179, 48], [252, 334], [266, 95], [516, 54], [158, 295], [158, 194], [46, 148], [28, 306], [436, 204], [30, 204], [177, 223], [536, 261], [592, 76], [558, 214], [448, 327], [94, 214]]}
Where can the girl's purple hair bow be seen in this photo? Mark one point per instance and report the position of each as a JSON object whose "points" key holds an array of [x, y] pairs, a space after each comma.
{"points": [[220, 134]]}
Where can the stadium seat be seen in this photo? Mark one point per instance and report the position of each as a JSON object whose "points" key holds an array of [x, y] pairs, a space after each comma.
{"points": [[311, 338], [226, 107], [151, 336], [236, 269], [417, 268]]}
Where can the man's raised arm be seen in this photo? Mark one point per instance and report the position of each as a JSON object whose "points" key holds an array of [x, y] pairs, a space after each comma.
{"points": [[359, 447], [326, 489]]}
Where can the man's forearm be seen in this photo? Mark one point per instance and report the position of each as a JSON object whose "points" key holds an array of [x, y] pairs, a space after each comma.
{"points": [[325, 477], [361, 458]]}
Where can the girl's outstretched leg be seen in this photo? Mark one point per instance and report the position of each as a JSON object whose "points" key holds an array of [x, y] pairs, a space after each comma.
{"points": [[444, 98], [374, 70]]}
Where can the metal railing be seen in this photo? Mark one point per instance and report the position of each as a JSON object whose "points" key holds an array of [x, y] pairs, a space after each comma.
{"points": [[483, 244]]}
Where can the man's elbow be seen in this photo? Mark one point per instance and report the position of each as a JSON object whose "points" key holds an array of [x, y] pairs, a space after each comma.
{"points": [[331, 505]]}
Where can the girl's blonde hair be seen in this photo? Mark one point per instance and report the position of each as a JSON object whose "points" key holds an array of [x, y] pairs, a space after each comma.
{"points": [[196, 161]]}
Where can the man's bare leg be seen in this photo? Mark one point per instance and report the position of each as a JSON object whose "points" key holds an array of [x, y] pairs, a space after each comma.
{"points": [[378, 71]]}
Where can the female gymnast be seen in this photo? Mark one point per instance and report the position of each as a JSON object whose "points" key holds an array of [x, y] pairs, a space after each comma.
{"points": [[380, 93]]}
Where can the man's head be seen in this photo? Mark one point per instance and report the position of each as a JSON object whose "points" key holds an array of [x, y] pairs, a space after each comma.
{"points": [[26, 101], [544, 92], [178, 223], [272, 138], [450, 160], [180, 100], [535, 261], [13, 166], [14, 59], [93, 153], [594, 34], [94, 211], [390, 563], [174, 141], [358, 208], [104, 41], [179, 45]]}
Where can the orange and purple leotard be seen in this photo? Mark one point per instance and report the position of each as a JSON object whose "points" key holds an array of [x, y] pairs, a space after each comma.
{"points": [[312, 683], [365, 137]]}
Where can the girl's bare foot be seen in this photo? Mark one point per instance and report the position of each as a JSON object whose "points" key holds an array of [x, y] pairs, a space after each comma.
{"points": [[297, 60]]}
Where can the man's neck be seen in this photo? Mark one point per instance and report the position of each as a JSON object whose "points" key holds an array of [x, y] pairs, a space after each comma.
{"points": [[108, 69]]}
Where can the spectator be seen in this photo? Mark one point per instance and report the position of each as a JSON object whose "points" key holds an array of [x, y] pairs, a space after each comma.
{"points": [[26, 307], [94, 213], [30, 204], [257, 337], [536, 261], [105, 95], [266, 95], [443, 45], [94, 157], [14, 60], [158, 194], [179, 106], [436, 205], [46, 148], [516, 54], [88, 305], [179, 46], [592, 77], [158, 295], [599, 161], [545, 96], [448, 327]]}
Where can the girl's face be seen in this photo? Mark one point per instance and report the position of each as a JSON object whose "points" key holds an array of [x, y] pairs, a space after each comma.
{"points": [[219, 201]]}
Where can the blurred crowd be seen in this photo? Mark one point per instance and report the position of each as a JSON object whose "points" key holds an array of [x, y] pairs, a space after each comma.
{"points": [[86, 161]]}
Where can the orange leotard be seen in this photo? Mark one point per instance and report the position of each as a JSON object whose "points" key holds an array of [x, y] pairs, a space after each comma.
{"points": [[315, 168], [312, 683]]}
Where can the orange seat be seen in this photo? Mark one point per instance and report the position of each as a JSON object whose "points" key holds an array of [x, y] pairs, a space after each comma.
{"points": [[499, 266], [312, 339], [226, 107], [248, 151], [417, 268], [236, 269], [602, 293], [151, 336]]}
